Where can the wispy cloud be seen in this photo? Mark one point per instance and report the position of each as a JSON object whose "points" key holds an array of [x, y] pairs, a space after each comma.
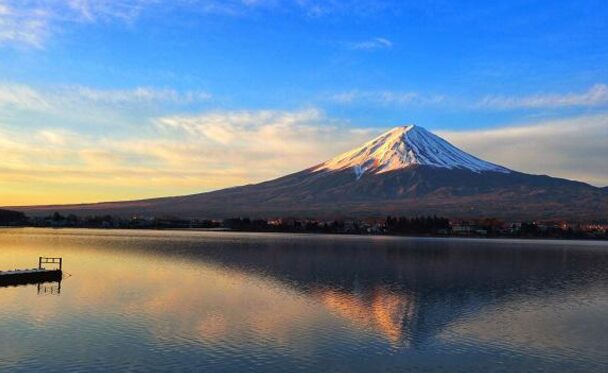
{"points": [[27, 97], [31, 23], [306, 8], [360, 8], [19, 26], [595, 96], [180, 154], [102, 10], [372, 44], [385, 97], [573, 148], [22, 96], [137, 95], [274, 139]]}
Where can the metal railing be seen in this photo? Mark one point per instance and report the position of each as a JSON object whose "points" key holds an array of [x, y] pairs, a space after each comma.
{"points": [[44, 260]]}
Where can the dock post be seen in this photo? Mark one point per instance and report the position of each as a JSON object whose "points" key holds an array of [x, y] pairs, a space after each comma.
{"points": [[40, 262], [60, 263]]}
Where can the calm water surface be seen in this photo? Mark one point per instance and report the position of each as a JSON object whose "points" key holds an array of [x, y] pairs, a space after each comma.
{"points": [[149, 300]]}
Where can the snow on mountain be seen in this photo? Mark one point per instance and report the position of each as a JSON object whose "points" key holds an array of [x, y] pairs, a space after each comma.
{"points": [[403, 147]]}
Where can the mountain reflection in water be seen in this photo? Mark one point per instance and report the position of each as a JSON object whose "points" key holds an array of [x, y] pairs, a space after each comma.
{"points": [[410, 290], [237, 301]]}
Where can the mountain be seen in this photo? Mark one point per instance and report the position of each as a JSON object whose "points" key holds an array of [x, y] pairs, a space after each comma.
{"points": [[403, 147], [405, 171]]}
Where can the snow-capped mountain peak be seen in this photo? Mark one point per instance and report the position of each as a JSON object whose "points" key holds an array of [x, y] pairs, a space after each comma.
{"points": [[403, 147]]}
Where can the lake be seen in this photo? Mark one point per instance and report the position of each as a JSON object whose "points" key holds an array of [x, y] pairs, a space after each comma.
{"points": [[222, 301]]}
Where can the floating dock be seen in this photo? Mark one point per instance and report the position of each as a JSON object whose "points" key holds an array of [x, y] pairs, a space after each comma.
{"points": [[34, 275]]}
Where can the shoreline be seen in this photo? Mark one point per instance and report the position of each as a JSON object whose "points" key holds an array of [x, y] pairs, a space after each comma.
{"points": [[372, 235]]}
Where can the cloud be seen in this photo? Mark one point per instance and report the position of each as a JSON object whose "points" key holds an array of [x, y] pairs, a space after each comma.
{"points": [[181, 154], [358, 8], [597, 95], [286, 140], [372, 44], [573, 148], [104, 10], [23, 27], [385, 97], [22, 96], [137, 95], [30, 98], [32, 22], [310, 9]]}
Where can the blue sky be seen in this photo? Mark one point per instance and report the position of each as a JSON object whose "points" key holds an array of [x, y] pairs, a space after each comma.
{"points": [[118, 78]]}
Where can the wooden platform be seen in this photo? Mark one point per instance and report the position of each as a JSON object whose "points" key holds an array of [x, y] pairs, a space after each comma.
{"points": [[29, 276], [34, 275]]}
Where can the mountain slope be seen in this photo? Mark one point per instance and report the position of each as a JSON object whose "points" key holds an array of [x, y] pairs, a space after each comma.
{"points": [[405, 171]]}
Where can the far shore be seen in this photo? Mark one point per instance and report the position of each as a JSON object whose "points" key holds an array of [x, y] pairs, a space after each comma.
{"points": [[374, 235]]}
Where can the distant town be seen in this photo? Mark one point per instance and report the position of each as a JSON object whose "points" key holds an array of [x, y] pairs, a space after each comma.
{"points": [[407, 226]]}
